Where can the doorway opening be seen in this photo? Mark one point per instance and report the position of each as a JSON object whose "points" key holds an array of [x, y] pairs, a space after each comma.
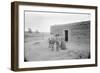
{"points": [[66, 35]]}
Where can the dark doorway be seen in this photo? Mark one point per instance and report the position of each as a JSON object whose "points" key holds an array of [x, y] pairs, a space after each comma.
{"points": [[66, 35]]}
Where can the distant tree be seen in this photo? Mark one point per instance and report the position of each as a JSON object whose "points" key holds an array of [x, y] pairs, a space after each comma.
{"points": [[37, 31], [29, 30]]}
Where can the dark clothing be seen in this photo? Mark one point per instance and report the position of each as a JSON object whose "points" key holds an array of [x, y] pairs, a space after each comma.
{"points": [[63, 45]]}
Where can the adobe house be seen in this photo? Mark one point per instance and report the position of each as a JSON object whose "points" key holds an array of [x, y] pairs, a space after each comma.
{"points": [[77, 33]]}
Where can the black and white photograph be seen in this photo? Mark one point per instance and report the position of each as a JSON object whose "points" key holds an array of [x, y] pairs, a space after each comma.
{"points": [[52, 35]]}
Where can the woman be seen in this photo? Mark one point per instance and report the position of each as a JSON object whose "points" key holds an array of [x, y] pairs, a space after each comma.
{"points": [[63, 44]]}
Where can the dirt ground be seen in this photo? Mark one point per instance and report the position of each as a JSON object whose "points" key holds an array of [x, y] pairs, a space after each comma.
{"points": [[36, 49]]}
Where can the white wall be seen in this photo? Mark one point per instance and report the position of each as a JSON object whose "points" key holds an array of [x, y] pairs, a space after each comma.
{"points": [[5, 40]]}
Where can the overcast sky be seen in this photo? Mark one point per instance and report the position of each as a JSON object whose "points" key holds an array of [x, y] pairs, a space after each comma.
{"points": [[43, 20]]}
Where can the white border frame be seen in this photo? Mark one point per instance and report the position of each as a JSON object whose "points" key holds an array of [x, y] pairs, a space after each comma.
{"points": [[23, 64]]}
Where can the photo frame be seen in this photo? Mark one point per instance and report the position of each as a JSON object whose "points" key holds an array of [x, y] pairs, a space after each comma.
{"points": [[52, 36]]}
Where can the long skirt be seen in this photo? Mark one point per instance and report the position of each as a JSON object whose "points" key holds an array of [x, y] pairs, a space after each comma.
{"points": [[63, 45]]}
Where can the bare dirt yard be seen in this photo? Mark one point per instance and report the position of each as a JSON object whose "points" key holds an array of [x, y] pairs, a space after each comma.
{"points": [[36, 49]]}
